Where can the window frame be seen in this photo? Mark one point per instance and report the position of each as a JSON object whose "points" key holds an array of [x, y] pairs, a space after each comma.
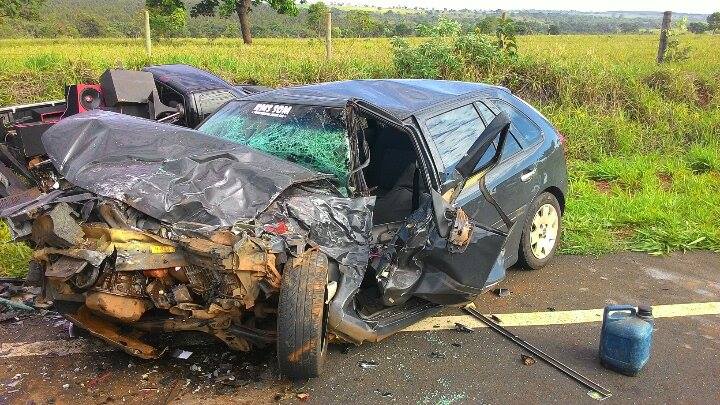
{"points": [[496, 110], [424, 118]]}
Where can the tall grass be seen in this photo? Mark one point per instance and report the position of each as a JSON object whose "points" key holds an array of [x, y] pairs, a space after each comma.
{"points": [[643, 140]]}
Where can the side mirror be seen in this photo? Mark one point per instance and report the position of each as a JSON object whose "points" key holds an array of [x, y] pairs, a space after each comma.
{"points": [[467, 165]]}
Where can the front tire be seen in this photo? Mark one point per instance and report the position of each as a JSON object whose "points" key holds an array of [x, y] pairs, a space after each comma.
{"points": [[302, 316], [541, 233]]}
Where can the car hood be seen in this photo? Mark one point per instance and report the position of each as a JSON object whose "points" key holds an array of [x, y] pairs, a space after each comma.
{"points": [[174, 174]]}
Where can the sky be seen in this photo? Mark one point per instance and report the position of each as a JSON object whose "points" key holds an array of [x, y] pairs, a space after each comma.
{"points": [[685, 6]]}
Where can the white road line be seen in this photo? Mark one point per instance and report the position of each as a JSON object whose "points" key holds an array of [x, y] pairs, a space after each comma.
{"points": [[560, 317], [81, 345]]}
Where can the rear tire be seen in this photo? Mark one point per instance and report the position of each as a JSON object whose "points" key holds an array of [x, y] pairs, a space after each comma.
{"points": [[302, 316], [541, 233]]}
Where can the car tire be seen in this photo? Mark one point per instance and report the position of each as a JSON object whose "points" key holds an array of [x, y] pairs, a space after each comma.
{"points": [[541, 233], [302, 316]]}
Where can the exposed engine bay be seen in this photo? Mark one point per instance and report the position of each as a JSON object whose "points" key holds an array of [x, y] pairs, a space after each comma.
{"points": [[118, 272]]}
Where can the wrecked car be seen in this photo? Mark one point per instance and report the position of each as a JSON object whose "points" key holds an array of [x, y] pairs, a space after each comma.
{"points": [[341, 211], [177, 94]]}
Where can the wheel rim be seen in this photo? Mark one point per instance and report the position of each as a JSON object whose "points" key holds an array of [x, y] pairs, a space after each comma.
{"points": [[543, 231]]}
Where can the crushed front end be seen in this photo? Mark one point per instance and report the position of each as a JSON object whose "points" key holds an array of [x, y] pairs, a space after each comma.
{"points": [[117, 273], [141, 236]]}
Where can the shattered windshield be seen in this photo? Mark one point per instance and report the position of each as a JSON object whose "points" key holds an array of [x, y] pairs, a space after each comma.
{"points": [[311, 136]]}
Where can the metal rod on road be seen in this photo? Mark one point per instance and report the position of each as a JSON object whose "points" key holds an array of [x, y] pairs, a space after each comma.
{"points": [[539, 353]]}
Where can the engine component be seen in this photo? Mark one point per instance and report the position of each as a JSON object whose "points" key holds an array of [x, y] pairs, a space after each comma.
{"points": [[123, 283], [124, 309], [159, 294]]}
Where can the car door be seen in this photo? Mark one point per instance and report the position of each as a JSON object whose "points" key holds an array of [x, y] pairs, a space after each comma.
{"points": [[454, 275], [511, 183]]}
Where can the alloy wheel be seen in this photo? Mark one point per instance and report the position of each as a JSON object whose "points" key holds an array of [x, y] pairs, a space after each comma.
{"points": [[544, 231]]}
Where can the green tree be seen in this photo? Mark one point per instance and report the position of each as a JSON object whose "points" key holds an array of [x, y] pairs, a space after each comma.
{"points": [[27, 9], [167, 17], [316, 17], [553, 30], [629, 27], [713, 21], [487, 25], [444, 27], [697, 27], [360, 23], [89, 26], [242, 8], [402, 30]]}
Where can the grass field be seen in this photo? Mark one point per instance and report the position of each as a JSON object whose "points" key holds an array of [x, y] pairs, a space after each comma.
{"points": [[643, 140]]}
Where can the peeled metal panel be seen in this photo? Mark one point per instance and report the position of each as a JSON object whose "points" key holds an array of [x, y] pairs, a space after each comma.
{"points": [[174, 174]]}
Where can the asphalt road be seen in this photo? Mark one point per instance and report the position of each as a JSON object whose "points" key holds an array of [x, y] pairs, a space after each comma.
{"points": [[433, 367]]}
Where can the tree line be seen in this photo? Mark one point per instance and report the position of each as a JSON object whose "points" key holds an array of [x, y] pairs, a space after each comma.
{"points": [[290, 18]]}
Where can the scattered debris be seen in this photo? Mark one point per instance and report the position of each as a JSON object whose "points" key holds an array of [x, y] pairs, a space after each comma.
{"points": [[551, 309], [15, 304], [285, 394], [501, 292], [456, 344], [527, 360], [462, 328], [579, 378], [436, 355], [385, 394], [303, 396], [72, 332], [182, 354], [596, 395], [364, 364], [495, 318]]}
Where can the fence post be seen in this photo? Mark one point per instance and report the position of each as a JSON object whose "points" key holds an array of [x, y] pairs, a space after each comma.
{"points": [[667, 16], [328, 35], [148, 41]]}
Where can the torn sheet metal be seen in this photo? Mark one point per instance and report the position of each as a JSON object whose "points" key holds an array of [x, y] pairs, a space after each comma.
{"points": [[174, 174], [339, 226]]}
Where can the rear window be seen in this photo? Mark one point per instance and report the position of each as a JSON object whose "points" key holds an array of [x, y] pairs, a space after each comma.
{"points": [[522, 126]]}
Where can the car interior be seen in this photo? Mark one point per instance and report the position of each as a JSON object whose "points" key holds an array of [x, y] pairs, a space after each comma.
{"points": [[393, 175]]}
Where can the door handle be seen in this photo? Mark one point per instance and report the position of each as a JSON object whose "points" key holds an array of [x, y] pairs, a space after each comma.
{"points": [[527, 175]]}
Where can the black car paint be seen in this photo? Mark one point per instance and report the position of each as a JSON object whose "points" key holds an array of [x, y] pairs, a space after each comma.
{"points": [[443, 274], [504, 183]]}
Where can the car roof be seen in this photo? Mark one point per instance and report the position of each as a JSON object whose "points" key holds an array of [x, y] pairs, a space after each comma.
{"points": [[190, 79], [400, 97]]}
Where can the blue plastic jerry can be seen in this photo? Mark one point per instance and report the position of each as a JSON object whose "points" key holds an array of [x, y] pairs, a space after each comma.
{"points": [[626, 338]]}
